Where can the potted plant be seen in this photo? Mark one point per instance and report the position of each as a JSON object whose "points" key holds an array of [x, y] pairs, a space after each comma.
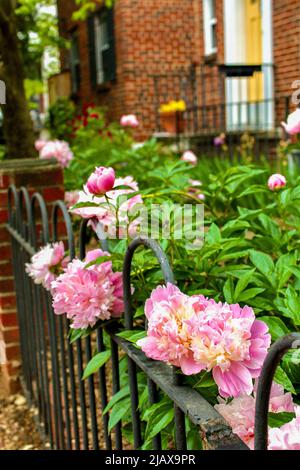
{"points": [[172, 116]]}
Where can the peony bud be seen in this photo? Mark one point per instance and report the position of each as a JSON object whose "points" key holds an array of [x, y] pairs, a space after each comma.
{"points": [[276, 182], [101, 181], [292, 126], [189, 157], [129, 120]]}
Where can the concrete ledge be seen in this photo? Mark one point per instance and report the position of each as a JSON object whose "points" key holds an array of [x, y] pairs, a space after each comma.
{"points": [[28, 165]]}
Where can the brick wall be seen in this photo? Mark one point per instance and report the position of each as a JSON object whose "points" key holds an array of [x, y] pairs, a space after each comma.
{"points": [[154, 37], [164, 36]]}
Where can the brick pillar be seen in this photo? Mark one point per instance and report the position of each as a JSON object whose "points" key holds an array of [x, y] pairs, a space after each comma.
{"points": [[45, 177]]}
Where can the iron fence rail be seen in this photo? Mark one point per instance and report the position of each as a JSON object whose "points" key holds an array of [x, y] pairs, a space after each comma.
{"points": [[70, 410]]}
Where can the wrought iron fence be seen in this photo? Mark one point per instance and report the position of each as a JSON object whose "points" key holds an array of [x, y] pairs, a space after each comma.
{"points": [[70, 410]]}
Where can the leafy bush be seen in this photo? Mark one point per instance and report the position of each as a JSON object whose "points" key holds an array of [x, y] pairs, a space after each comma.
{"points": [[59, 119]]}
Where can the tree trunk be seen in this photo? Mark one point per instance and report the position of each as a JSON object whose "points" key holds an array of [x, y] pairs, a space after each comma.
{"points": [[17, 126]]}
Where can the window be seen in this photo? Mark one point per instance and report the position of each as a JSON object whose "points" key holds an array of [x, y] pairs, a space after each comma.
{"points": [[210, 26], [75, 63], [102, 48]]}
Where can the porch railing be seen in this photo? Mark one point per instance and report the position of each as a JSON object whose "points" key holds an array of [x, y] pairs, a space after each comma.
{"points": [[70, 410], [229, 99]]}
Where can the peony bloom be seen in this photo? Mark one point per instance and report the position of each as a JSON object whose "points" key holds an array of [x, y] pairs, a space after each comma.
{"points": [[240, 412], [197, 334], [59, 150], [47, 264], [292, 126], [40, 144], [106, 214], [276, 182], [101, 181], [240, 415], [87, 294], [219, 140], [195, 183], [189, 157], [287, 437], [129, 120], [280, 402], [71, 198]]}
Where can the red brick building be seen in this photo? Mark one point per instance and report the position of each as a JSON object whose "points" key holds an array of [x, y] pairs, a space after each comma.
{"points": [[232, 61]]}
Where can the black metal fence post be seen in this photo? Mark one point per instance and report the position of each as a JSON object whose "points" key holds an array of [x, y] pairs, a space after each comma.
{"points": [[277, 351], [168, 278]]}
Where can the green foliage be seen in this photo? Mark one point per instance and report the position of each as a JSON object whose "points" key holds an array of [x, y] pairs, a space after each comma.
{"points": [[96, 363], [88, 6], [279, 419], [38, 31], [59, 119], [32, 88]]}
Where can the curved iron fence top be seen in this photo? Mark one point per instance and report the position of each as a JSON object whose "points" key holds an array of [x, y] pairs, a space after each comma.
{"points": [[164, 264], [13, 206], [60, 207], [25, 202], [276, 352], [37, 199]]}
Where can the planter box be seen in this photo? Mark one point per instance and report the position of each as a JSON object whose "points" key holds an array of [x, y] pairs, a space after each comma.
{"points": [[172, 123]]}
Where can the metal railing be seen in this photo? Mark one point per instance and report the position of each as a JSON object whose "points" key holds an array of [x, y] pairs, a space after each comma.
{"points": [[70, 410], [220, 100]]}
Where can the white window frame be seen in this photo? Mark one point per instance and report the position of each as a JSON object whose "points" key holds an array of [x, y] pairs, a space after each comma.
{"points": [[210, 21], [101, 44]]}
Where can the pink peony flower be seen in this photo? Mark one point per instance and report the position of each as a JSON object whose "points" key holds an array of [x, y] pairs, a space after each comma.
{"points": [[87, 294], [280, 402], [59, 150], [197, 334], [276, 182], [129, 120], [189, 157], [106, 214], [47, 264], [195, 183], [94, 255], [101, 181], [219, 140], [71, 198], [240, 412], [40, 144], [287, 437], [240, 415], [292, 126]]}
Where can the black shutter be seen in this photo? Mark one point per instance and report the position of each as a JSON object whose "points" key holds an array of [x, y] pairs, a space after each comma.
{"points": [[75, 63], [108, 55], [92, 50]]}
